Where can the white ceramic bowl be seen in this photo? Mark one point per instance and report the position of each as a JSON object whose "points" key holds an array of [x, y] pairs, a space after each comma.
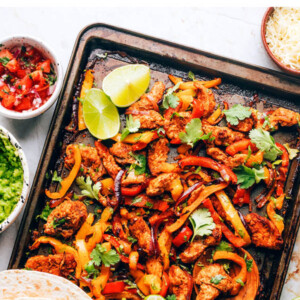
{"points": [[45, 50], [23, 198]]}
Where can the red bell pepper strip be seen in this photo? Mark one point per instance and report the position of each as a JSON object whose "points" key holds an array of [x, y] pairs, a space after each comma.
{"points": [[198, 109], [117, 227], [132, 191], [160, 217], [206, 162], [240, 146], [281, 180], [176, 141], [284, 156], [139, 146], [241, 196], [236, 241], [114, 287], [183, 236], [116, 244], [165, 285]]}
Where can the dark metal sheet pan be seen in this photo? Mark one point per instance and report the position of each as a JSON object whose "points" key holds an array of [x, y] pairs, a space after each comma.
{"points": [[240, 82]]}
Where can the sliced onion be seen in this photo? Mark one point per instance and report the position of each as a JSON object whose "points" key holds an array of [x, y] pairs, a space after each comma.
{"points": [[244, 222], [126, 295], [117, 188]]}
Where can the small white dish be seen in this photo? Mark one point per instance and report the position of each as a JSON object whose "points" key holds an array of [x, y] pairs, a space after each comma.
{"points": [[11, 42], [23, 198]]}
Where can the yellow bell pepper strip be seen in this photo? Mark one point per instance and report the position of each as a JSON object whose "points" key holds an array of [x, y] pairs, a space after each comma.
{"points": [[99, 283], [256, 158], [174, 79], [176, 188], [107, 186], [85, 229], [154, 283], [136, 274], [165, 243], [86, 85], [189, 84], [186, 98], [82, 252], [238, 260], [99, 228], [214, 116], [233, 217], [133, 138], [67, 182], [59, 247], [275, 218], [207, 191], [133, 260]]}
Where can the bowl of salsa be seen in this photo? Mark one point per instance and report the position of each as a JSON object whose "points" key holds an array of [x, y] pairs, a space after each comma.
{"points": [[14, 179], [30, 77]]}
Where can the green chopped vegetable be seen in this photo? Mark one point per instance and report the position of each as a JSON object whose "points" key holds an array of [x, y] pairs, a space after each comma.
{"points": [[56, 178], [217, 279], [237, 112], [292, 152], [132, 126], [170, 99], [202, 222], [248, 176], [87, 187], [141, 163]]}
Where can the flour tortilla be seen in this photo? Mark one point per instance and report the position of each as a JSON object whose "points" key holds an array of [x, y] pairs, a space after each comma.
{"points": [[32, 285]]}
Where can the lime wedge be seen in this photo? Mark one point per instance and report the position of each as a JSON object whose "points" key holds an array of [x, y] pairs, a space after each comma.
{"points": [[100, 115], [154, 297], [127, 84]]}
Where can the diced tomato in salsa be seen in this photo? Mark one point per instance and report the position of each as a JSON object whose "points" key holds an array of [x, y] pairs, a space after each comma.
{"points": [[25, 78]]}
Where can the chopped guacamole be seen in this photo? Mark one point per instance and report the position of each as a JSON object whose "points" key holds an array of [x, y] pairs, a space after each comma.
{"points": [[11, 177]]}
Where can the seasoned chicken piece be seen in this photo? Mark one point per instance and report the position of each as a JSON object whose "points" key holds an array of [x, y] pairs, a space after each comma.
{"points": [[157, 158], [154, 266], [131, 178], [181, 282], [149, 119], [147, 100], [284, 117], [177, 124], [244, 126], [263, 232], [163, 182], [222, 157], [141, 231], [207, 292], [208, 273], [62, 264], [91, 164], [121, 152], [223, 135], [206, 98], [108, 160], [196, 248], [66, 219]]}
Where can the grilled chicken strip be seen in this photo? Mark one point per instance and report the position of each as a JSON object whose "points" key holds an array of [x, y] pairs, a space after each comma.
{"points": [[177, 124], [66, 219], [91, 164], [149, 119], [157, 158], [180, 282], [223, 135], [263, 232], [58, 264], [121, 153], [196, 248], [108, 160], [141, 231]]}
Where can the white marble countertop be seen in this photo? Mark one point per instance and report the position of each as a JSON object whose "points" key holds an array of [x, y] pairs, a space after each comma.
{"points": [[231, 32]]}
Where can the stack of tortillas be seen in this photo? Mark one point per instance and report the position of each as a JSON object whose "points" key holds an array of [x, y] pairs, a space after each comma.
{"points": [[32, 285]]}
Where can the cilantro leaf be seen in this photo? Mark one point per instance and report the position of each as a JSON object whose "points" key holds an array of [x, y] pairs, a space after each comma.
{"points": [[240, 281], [56, 178], [170, 99], [191, 75], [237, 112], [136, 200], [131, 239], [100, 255], [131, 127], [292, 152], [57, 222], [171, 297], [193, 133], [249, 263], [87, 187], [248, 176], [224, 246], [265, 142], [45, 213], [202, 222], [4, 60], [217, 279], [141, 162]]}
